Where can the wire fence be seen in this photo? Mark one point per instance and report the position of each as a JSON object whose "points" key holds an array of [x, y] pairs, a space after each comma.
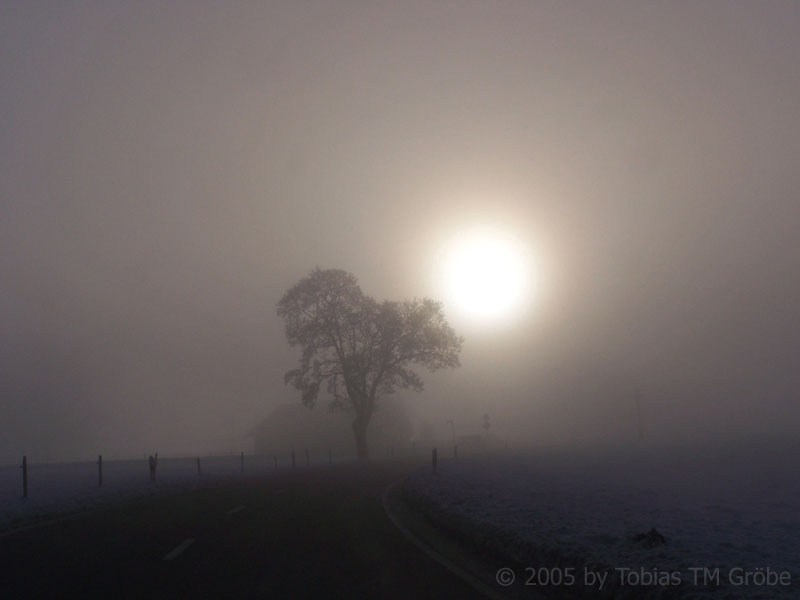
{"points": [[33, 488]]}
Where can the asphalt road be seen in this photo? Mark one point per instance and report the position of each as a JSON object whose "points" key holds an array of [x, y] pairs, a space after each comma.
{"points": [[311, 533]]}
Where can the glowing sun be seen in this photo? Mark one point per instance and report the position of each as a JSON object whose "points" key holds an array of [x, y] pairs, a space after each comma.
{"points": [[485, 274]]}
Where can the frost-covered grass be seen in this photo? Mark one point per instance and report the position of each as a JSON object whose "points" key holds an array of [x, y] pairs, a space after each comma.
{"points": [[719, 505], [58, 488]]}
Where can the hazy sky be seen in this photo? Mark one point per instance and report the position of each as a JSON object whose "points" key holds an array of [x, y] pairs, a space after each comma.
{"points": [[168, 170]]}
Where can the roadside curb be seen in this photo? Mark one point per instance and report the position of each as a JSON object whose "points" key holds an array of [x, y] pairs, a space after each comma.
{"points": [[463, 564]]}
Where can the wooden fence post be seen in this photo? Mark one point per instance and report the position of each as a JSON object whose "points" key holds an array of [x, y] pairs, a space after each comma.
{"points": [[153, 464], [433, 459], [24, 476], [99, 470], [241, 468], [198, 466]]}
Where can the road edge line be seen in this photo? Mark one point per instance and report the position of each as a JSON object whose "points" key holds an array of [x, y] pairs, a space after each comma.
{"points": [[455, 569], [178, 550]]}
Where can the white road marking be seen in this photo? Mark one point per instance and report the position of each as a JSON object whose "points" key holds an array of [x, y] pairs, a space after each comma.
{"points": [[176, 552], [235, 510]]}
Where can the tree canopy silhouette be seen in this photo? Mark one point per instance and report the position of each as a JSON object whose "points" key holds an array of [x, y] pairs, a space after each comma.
{"points": [[360, 349]]}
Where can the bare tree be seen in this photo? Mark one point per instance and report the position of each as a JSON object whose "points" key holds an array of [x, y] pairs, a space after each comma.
{"points": [[361, 350]]}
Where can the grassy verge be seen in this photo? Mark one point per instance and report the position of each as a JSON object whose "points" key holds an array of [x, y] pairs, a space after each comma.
{"points": [[483, 549]]}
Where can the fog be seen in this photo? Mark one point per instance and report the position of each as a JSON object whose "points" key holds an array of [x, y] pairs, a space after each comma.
{"points": [[169, 171]]}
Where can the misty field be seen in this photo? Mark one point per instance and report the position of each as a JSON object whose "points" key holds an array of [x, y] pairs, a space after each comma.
{"points": [[57, 488], [731, 509]]}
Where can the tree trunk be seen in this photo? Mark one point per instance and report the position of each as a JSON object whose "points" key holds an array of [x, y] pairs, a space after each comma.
{"points": [[360, 433]]}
